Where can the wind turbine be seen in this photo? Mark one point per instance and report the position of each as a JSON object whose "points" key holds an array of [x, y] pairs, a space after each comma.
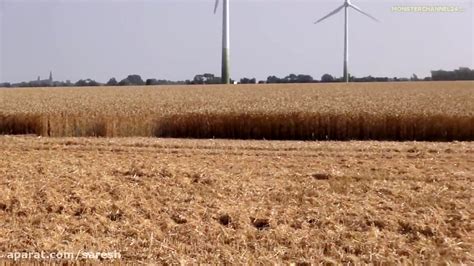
{"points": [[345, 6], [225, 41]]}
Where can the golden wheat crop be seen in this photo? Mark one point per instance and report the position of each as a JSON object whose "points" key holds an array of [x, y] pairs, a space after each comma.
{"points": [[378, 111]]}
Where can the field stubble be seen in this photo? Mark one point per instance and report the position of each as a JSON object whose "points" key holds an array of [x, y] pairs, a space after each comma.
{"points": [[437, 111], [239, 202]]}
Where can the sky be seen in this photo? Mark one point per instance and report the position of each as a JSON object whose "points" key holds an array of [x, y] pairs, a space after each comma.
{"points": [[177, 39]]}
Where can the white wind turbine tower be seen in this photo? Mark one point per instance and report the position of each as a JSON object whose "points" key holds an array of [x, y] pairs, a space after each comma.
{"points": [[345, 6], [225, 75]]}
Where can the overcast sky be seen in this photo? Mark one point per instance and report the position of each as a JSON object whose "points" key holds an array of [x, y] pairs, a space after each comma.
{"points": [[176, 39]]}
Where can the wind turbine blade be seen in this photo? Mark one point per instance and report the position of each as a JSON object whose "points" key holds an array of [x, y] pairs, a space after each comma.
{"points": [[362, 12], [216, 6], [330, 14]]}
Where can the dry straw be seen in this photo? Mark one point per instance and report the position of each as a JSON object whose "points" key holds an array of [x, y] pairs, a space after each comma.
{"points": [[168, 201]]}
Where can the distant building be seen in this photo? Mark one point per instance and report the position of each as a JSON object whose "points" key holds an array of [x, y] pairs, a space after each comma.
{"points": [[44, 82]]}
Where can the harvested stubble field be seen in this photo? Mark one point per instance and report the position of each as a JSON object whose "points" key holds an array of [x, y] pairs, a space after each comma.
{"points": [[433, 111], [239, 202]]}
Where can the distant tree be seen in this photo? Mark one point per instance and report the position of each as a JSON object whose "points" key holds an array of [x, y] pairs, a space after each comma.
{"points": [[211, 79], [93, 82], [87, 82], [292, 78], [125, 82], [327, 78], [208, 76], [304, 78], [150, 82], [5, 85], [198, 79], [112, 82], [136, 80], [273, 79], [364, 79], [248, 81], [132, 80], [463, 73], [81, 83], [440, 75]]}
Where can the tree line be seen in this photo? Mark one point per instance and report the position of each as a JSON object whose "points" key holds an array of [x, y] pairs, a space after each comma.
{"points": [[463, 73]]}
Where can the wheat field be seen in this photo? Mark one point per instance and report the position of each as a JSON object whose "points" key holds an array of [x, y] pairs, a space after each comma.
{"points": [[433, 111], [245, 202], [168, 201]]}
